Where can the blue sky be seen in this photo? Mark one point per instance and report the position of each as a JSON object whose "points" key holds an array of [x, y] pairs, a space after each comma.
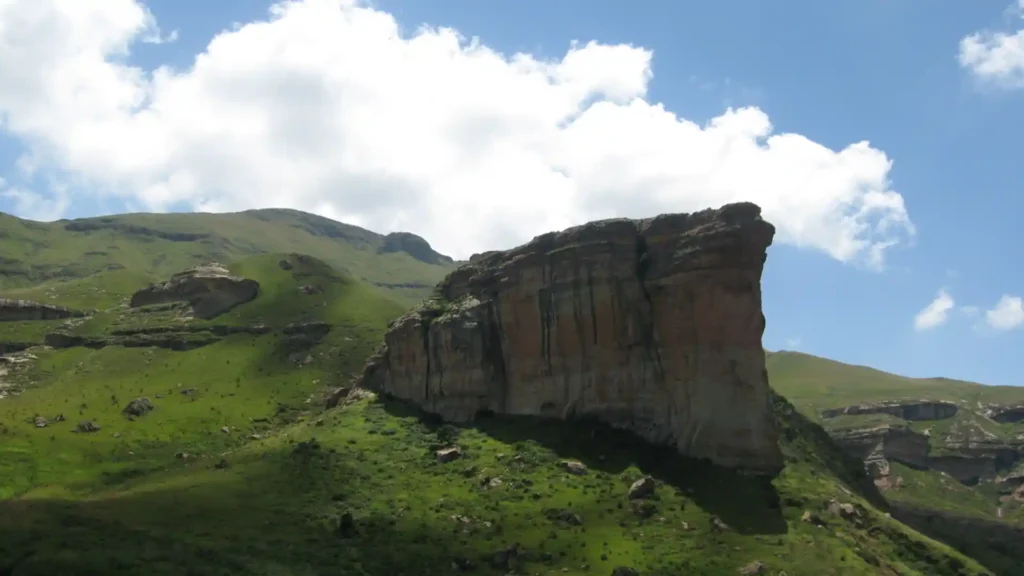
{"points": [[354, 124]]}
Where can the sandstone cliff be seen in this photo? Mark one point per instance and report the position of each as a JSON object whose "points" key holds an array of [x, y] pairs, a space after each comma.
{"points": [[20, 310], [652, 325], [210, 289]]}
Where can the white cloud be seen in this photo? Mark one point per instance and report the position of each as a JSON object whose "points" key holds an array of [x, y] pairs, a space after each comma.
{"points": [[34, 206], [327, 106], [1007, 314], [996, 56], [793, 343], [934, 314]]}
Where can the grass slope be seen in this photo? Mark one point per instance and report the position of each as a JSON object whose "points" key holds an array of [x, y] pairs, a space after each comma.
{"points": [[815, 384], [42, 261], [238, 470]]}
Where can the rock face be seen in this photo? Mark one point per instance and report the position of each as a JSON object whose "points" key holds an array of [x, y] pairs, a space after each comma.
{"points": [[966, 452], [651, 325], [912, 410], [210, 289], [1004, 414], [878, 445], [413, 245], [19, 310]]}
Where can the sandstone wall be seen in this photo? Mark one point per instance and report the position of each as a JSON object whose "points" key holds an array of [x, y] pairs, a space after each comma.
{"points": [[651, 325], [20, 310]]}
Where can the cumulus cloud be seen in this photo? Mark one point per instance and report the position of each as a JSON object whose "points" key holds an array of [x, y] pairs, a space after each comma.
{"points": [[996, 56], [934, 314], [328, 106], [29, 204], [1007, 314]]}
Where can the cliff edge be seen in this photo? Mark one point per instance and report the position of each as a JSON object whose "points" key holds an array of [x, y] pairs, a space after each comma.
{"points": [[650, 325]]}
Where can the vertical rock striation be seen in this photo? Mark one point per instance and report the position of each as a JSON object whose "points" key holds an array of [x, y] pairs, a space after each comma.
{"points": [[652, 325]]}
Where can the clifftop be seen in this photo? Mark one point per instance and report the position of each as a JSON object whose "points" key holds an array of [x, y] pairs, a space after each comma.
{"points": [[651, 325]]}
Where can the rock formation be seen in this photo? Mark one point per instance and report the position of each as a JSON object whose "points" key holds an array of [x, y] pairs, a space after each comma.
{"points": [[652, 325], [20, 310], [1004, 414], [414, 246], [210, 289], [966, 452], [907, 410]]}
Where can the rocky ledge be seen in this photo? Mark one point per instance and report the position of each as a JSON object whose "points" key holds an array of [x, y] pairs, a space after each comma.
{"points": [[650, 325], [21, 310], [907, 410], [967, 453], [210, 290]]}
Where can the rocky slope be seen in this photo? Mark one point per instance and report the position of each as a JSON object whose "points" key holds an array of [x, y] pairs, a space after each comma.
{"points": [[652, 325]]}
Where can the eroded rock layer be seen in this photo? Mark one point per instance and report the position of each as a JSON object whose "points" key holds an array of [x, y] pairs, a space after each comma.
{"points": [[652, 325], [210, 289], [20, 310]]}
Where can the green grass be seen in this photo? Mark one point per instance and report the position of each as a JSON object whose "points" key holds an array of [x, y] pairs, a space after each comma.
{"points": [[172, 492], [275, 508], [44, 260]]}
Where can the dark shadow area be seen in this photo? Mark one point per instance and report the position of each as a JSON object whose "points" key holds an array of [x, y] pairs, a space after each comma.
{"points": [[285, 514], [748, 504], [996, 545]]}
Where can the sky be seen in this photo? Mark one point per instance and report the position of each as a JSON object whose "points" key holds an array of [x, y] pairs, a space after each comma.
{"points": [[884, 140]]}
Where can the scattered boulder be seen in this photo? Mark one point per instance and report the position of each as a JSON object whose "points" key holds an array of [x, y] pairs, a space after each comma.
{"points": [[754, 568], [310, 289], [87, 426], [564, 516], [812, 518], [138, 407], [574, 467], [625, 571], [448, 454], [347, 525], [40, 422], [642, 488], [285, 265], [506, 558], [717, 525], [209, 289]]}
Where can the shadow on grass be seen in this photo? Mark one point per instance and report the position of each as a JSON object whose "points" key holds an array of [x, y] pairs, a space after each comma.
{"points": [[996, 545], [275, 514], [748, 504]]}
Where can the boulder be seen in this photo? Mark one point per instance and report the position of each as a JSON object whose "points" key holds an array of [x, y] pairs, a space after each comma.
{"points": [[209, 289], [649, 325], [138, 407]]}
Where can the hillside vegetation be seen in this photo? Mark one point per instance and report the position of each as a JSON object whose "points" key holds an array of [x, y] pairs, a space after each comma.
{"points": [[38, 259], [146, 440], [965, 468]]}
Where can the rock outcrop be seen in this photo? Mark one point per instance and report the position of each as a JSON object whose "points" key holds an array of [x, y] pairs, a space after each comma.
{"points": [[652, 325], [414, 246], [20, 310], [1004, 414], [209, 289], [878, 445], [967, 453], [907, 410]]}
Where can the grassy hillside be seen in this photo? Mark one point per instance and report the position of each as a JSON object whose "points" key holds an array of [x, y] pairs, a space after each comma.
{"points": [[239, 469], [37, 260], [820, 383], [815, 384]]}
